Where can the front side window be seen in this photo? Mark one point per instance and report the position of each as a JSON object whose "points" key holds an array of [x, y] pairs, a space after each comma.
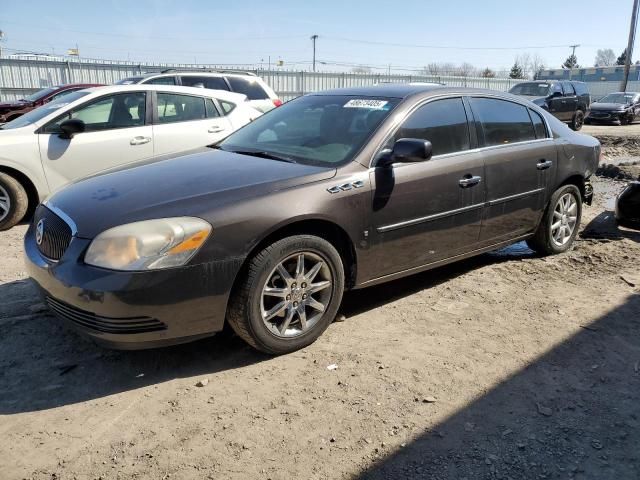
{"points": [[556, 88], [502, 122], [323, 130], [123, 110], [180, 108], [568, 90], [442, 122], [249, 87]]}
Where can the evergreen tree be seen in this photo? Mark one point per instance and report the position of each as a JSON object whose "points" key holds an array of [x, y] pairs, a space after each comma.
{"points": [[571, 62], [622, 58], [516, 71]]}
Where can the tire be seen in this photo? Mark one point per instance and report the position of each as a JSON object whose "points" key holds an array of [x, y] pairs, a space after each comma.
{"points": [[13, 201], [249, 306], [547, 240], [577, 121]]}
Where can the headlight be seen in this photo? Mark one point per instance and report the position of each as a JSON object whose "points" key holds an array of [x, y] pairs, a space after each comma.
{"points": [[148, 245]]}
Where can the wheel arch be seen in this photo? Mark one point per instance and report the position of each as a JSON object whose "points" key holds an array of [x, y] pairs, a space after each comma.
{"points": [[323, 228], [577, 180], [27, 184]]}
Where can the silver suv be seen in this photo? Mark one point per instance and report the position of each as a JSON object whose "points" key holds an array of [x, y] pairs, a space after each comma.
{"points": [[260, 95]]}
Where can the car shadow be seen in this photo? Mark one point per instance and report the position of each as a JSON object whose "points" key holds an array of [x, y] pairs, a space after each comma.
{"points": [[571, 413], [44, 365], [604, 227]]}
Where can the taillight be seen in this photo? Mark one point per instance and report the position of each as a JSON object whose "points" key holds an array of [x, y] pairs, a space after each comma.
{"points": [[277, 102]]}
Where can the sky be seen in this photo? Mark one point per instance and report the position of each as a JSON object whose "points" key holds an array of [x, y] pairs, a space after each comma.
{"points": [[403, 35]]}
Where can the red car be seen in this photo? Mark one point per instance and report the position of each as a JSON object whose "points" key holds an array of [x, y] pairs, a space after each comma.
{"points": [[11, 110]]}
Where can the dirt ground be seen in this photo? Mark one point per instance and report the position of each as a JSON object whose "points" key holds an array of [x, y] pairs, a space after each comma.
{"points": [[507, 365]]}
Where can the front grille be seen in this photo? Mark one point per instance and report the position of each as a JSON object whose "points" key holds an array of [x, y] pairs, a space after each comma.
{"points": [[53, 234], [105, 324]]}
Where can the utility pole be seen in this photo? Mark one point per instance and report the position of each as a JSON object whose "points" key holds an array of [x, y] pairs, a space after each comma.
{"points": [[573, 54], [313, 39], [632, 37]]}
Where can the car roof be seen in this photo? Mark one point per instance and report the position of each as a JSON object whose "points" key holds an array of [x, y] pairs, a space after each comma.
{"points": [[173, 72], [203, 92], [404, 90]]}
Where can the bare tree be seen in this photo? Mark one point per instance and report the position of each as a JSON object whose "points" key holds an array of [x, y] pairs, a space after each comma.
{"points": [[537, 65], [432, 69], [524, 62], [604, 58], [467, 70]]}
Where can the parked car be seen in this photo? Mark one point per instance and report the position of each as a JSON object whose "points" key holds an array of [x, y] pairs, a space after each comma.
{"points": [[96, 129], [260, 95], [622, 107], [12, 110], [568, 101], [336, 190], [628, 206]]}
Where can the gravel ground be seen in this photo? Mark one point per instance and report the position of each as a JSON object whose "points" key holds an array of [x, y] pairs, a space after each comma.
{"points": [[507, 365]]}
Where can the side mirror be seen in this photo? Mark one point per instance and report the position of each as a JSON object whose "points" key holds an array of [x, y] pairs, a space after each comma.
{"points": [[71, 127], [407, 150]]}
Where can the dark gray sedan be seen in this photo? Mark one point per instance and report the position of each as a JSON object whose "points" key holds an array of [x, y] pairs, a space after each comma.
{"points": [[332, 191]]}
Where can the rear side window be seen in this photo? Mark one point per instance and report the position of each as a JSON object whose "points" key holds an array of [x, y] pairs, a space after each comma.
{"points": [[249, 87], [162, 81], [227, 107], [212, 111], [502, 122], [538, 125], [213, 83], [581, 88], [180, 108], [442, 122], [568, 89]]}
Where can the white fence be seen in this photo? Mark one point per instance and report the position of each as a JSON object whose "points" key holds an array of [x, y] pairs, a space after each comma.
{"points": [[20, 77]]}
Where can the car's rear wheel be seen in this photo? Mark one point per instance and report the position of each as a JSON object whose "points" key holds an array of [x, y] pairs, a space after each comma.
{"points": [[290, 294], [560, 222], [13, 201], [577, 121]]}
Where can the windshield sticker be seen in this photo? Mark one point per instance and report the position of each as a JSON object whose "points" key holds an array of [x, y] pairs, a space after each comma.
{"points": [[366, 103]]}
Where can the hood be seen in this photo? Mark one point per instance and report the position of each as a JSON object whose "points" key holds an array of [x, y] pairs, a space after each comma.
{"points": [[534, 99], [608, 106], [190, 185]]}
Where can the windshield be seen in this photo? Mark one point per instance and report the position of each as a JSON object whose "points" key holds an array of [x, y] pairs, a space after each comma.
{"points": [[41, 112], [315, 130], [531, 89], [623, 98], [129, 81], [39, 94]]}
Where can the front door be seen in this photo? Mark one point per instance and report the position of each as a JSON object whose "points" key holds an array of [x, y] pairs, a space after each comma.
{"points": [[570, 100], [520, 162], [425, 212], [185, 122], [116, 133]]}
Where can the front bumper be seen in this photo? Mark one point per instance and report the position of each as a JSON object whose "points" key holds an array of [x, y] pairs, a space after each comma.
{"points": [[604, 116], [132, 310]]}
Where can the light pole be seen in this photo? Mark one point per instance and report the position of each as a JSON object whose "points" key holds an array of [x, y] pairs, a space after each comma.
{"points": [[632, 37], [313, 39]]}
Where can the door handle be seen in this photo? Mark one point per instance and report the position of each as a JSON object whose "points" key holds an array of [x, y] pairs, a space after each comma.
{"points": [[544, 164], [216, 129], [469, 181], [140, 140]]}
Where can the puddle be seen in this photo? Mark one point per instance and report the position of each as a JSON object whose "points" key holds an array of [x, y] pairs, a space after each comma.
{"points": [[517, 250]]}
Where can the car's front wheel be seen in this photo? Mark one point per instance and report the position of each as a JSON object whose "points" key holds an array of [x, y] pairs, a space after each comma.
{"points": [[560, 222], [289, 295], [13, 201]]}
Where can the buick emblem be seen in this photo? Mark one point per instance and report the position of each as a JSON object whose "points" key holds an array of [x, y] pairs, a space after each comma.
{"points": [[39, 232]]}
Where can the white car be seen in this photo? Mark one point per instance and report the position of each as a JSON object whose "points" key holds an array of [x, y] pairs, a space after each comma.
{"points": [[88, 131], [260, 95]]}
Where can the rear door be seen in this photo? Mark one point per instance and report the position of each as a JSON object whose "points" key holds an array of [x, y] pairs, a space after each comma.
{"points": [[117, 132], [520, 163], [425, 212], [185, 122]]}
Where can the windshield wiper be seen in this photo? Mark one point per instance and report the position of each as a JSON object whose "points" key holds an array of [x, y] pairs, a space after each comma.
{"points": [[261, 154]]}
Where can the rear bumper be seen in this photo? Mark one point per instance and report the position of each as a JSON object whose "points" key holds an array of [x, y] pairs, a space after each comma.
{"points": [[132, 310]]}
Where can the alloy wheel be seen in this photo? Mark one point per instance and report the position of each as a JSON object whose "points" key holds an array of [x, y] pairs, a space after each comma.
{"points": [[565, 218], [5, 203], [296, 294]]}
